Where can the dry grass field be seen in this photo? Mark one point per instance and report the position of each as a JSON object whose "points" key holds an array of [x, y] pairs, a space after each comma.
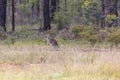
{"points": [[40, 62]]}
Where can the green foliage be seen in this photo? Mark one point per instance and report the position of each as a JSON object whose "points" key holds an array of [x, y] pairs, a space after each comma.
{"points": [[111, 20], [52, 32], [77, 28], [28, 34], [91, 12], [3, 35], [66, 35], [86, 33], [82, 13], [90, 35], [114, 37], [6, 38], [110, 17], [62, 19], [10, 40]]}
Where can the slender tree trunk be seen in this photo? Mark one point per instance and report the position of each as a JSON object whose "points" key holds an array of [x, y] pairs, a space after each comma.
{"points": [[114, 11], [32, 14], [53, 8], [3, 4], [37, 9], [103, 14], [46, 14], [13, 16], [19, 13], [107, 11], [114, 7], [58, 5], [65, 5], [109, 7], [118, 9]]}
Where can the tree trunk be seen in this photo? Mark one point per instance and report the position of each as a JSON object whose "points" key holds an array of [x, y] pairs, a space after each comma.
{"points": [[37, 9], [114, 8], [13, 16], [109, 7], [58, 5], [65, 5], [103, 14], [3, 4], [105, 4], [53, 8], [46, 14], [118, 9], [32, 15], [116, 12], [19, 18], [113, 11]]}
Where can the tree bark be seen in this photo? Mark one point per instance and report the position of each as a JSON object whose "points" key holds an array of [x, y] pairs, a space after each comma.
{"points": [[37, 8], [58, 5], [118, 8], [19, 18], [3, 4], [114, 7], [13, 16], [65, 5], [114, 11], [109, 7], [53, 8], [103, 14], [106, 4], [46, 13]]}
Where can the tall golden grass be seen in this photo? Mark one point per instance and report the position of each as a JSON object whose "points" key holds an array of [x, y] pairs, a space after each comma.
{"points": [[36, 62]]}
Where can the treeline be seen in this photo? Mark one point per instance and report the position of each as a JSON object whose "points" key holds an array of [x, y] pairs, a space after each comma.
{"points": [[62, 13]]}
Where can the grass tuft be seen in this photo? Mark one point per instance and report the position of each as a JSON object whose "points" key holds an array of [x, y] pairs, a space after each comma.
{"points": [[40, 62]]}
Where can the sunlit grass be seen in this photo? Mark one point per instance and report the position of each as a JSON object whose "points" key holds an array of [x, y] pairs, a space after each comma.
{"points": [[41, 62]]}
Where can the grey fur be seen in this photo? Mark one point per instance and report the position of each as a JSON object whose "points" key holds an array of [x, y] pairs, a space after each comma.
{"points": [[52, 42]]}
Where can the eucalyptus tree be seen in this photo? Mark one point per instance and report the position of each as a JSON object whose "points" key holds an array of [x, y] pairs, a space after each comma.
{"points": [[109, 13], [13, 15], [3, 4], [46, 13], [118, 8]]}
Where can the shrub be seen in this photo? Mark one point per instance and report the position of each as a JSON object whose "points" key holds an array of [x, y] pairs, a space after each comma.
{"points": [[86, 33], [6, 38], [52, 32], [10, 40], [90, 34], [114, 37], [62, 19], [110, 17], [76, 29], [3, 35], [66, 34]]}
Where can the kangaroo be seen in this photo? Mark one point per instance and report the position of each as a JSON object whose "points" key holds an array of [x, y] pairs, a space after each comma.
{"points": [[52, 42]]}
